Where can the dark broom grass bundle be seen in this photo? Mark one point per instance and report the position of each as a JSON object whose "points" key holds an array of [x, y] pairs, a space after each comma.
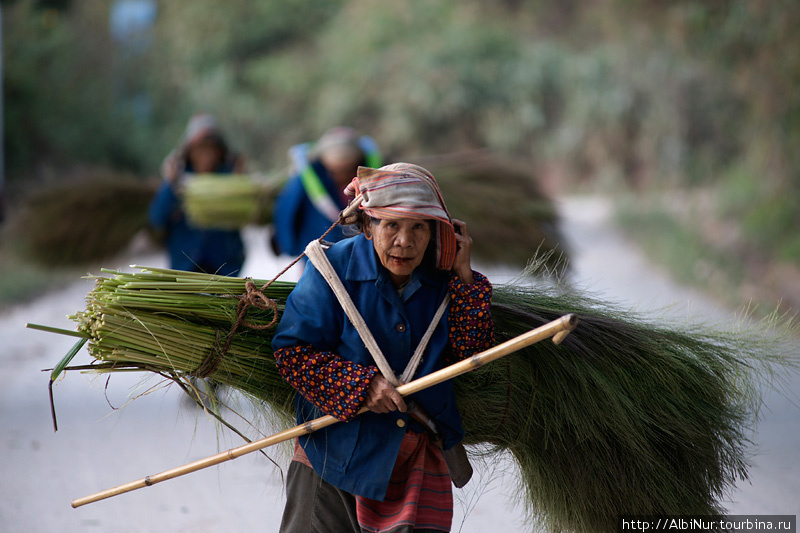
{"points": [[509, 216], [82, 220], [624, 417]]}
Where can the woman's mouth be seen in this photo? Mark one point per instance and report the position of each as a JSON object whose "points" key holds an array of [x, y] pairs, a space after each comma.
{"points": [[400, 261]]}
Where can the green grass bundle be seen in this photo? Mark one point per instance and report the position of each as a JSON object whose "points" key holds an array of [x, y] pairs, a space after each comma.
{"points": [[229, 202], [509, 217], [176, 323], [82, 221], [624, 417]]}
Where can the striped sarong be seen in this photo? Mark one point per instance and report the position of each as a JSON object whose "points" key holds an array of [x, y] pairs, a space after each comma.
{"points": [[419, 496]]}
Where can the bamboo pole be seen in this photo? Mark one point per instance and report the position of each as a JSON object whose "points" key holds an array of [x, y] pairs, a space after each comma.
{"points": [[557, 329]]}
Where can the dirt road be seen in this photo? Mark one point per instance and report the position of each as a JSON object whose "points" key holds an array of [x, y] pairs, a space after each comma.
{"points": [[97, 447]]}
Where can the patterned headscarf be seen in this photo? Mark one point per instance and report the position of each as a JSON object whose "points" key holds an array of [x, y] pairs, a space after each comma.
{"points": [[403, 190]]}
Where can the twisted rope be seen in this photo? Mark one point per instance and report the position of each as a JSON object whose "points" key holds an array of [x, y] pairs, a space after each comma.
{"points": [[317, 256], [211, 362]]}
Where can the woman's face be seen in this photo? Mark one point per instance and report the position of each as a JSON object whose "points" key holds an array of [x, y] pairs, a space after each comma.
{"points": [[205, 156], [342, 165], [400, 245]]}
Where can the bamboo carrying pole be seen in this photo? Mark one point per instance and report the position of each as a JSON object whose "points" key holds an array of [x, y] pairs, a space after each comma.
{"points": [[557, 329]]}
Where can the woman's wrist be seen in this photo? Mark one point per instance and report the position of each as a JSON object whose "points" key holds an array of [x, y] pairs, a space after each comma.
{"points": [[465, 274]]}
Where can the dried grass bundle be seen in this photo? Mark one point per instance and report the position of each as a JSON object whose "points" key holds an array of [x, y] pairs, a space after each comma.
{"points": [[509, 216], [82, 221], [628, 417], [177, 323]]}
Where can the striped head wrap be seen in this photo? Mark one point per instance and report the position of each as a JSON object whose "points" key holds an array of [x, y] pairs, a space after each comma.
{"points": [[403, 190]]}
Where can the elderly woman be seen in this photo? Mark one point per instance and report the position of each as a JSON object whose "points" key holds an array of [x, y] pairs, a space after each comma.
{"points": [[381, 471]]}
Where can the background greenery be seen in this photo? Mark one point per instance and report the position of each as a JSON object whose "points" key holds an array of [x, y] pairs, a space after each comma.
{"points": [[642, 96]]}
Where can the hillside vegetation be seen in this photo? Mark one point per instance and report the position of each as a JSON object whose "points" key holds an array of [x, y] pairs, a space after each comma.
{"points": [[645, 96]]}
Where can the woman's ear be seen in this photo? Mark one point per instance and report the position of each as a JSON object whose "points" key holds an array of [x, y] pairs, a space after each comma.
{"points": [[368, 231]]}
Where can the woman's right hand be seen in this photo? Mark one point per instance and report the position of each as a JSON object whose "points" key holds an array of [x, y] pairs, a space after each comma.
{"points": [[171, 168], [382, 397]]}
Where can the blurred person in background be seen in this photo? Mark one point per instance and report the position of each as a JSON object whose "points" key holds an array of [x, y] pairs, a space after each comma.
{"points": [[202, 150], [312, 199]]}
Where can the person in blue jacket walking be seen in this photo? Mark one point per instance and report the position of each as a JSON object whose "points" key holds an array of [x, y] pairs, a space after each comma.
{"points": [[202, 150], [408, 274], [312, 199]]}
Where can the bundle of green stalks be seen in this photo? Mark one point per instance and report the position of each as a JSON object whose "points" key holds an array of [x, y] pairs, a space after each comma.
{"points": [[625, 416], [82, 221], [229, 201], [176, 323], [509, 216]]}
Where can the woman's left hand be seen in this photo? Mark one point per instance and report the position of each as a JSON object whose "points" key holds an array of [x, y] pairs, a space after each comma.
{"points": [[462, 265]]}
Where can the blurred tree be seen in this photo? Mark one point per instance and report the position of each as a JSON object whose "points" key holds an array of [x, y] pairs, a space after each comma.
{"points": [[643, 93], [60, 106], [753, 49]]}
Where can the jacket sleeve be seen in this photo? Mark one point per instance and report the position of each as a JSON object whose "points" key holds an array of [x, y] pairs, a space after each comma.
{"points": [[304, 348], [165, 203], [336, 386], [470, 317], [288, 209]]}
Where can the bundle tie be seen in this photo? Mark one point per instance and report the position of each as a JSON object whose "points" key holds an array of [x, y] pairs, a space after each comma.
{"points": [[212, 360], [254, 297]]}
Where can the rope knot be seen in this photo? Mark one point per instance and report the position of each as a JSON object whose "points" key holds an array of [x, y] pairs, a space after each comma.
{"points": [[255, 297], [252, 296]]}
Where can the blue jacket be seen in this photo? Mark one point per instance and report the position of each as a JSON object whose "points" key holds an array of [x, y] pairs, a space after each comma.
{"points": [[191, 248], [296, 221], [358, 456]]}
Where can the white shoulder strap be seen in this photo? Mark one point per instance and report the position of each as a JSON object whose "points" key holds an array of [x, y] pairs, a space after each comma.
{"points": [[317, 256]]}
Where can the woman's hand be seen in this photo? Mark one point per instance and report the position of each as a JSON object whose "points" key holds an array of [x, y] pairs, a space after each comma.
{"points": [[382, 397], [171, 168], [462, 265]]}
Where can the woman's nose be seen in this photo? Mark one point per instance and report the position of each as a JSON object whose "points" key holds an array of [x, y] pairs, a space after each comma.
{"points": [[402, 238]]}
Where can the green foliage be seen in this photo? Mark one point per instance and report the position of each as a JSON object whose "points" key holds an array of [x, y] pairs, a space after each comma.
{"points": [[59, 92], [677, 242], [753, 47], [641, 94], [438, 77]]}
